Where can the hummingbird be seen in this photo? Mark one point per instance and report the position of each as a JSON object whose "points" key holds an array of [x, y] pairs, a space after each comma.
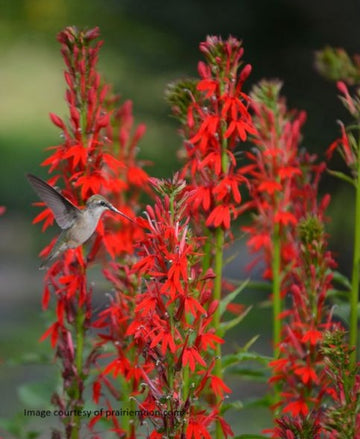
{"points": [[77, 225]]}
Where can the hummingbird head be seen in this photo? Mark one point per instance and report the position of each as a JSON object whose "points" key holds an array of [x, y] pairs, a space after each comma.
{"points": [[98, 203]]}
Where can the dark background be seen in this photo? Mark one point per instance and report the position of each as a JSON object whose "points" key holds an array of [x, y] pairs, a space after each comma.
{"points": [[147, 45]]}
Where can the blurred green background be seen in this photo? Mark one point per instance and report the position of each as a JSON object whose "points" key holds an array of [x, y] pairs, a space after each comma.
{"points": [[147, 45]]}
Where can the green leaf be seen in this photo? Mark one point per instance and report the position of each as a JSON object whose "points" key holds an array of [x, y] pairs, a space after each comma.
{"points": [[338, 293], [11, 426], [260, 375], [342, 310], [341, 279], [230, 360], [253, 285], [30, 358], [231, 405], [231, 296], [265, 304], [17, 427], [225, 326], [342, 176], [250, 343], [251, 436], [35, 395]]}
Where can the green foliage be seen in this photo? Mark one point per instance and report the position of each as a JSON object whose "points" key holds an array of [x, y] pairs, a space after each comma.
{"points": [[18, 427], [251, 436], [229, 298], [179, 95], [341, 176], [335, 64], [35, 394]]}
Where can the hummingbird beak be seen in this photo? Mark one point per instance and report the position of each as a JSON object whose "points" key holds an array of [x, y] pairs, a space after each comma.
{"points": [[111, 207]]}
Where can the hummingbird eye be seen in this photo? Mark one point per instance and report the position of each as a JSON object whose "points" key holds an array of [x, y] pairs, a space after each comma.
{"points": [[102, 203]]}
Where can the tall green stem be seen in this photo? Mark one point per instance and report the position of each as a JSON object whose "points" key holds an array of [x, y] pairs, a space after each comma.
{"points": [[277, 303], [79, 327], [354, 297], [206, 260], [219, 245]]}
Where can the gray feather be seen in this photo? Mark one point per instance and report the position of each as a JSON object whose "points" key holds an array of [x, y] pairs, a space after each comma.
{"points": [[64, 211]]}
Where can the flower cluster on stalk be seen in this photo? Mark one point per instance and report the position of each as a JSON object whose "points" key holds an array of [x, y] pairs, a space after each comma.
{"points": [[274, 171], [215, 120], [305, 383], [215, 123], [342, 417], [97, 155], [284, 192], [172, 336]]}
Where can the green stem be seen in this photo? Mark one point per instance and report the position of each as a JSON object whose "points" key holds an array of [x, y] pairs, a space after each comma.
{"points": [[75, 393], [206, 260], [79, 349], [277, 303], [79, 340], [128, 404], [355, 274], [219, 245]]}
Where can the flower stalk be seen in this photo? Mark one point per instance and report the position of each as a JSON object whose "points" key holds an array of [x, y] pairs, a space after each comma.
{"points": [[276, 289], [215, 119], [354, 295], [218, 268]]}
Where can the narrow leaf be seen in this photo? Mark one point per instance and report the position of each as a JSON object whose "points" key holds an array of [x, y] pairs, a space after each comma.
{"points": [[341, 279], [338, 293], [225, 326], [237, 405], [231, 296], [342, 176], [260, 375], [250, 343], [251, 436], [230, 360]]}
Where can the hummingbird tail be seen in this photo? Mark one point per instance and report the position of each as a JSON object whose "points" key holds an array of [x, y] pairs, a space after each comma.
{"points": [[44, 264], [55, 252]]}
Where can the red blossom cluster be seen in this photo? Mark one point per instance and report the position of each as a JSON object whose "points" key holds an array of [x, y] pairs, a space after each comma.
{"points": [[215, 121], [342, 417], [338, 387], [215, 117], [173, 315], [167, 341], [97, 156], [121, 360], [305, 384], [346, 145], [284, 192], [274, 171]]}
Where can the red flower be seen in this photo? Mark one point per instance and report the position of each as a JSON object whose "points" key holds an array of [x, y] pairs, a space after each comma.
{"points": [[172, 313], [313, 336], [306, 373], [298, 407]]}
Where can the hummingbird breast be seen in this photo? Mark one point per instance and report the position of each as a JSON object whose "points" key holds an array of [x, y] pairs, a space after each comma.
{"points": [[82, 229]]}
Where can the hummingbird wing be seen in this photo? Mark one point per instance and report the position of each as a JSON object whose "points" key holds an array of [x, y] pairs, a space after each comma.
{"points": [[65, 211]]}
